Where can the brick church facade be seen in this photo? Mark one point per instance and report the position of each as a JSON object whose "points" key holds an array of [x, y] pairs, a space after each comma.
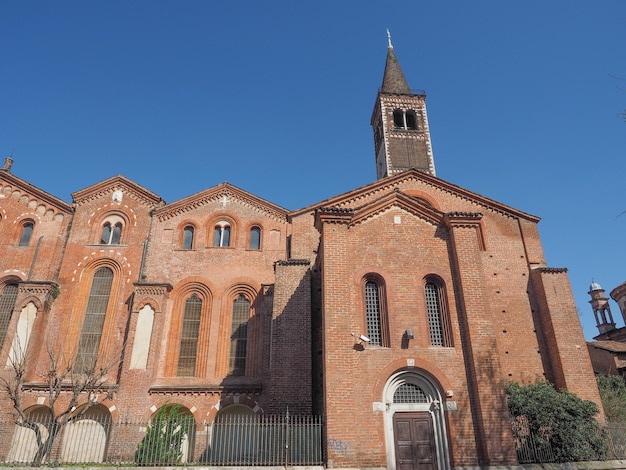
{"points": [[397, 310]]}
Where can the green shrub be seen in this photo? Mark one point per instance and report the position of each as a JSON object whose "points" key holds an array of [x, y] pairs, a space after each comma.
{"points": [[613, 394], [162, 444], [566, 420]]}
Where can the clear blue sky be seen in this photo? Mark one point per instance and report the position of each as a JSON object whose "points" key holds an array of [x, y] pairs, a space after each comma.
{"points": [[276, 96]]}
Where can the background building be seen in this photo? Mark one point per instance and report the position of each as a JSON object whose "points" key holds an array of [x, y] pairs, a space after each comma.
{"points": [[397, 310]]}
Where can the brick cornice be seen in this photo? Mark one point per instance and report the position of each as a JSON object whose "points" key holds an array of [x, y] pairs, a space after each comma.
{"points": [[216, 193], [33, 193], [463, 219], [406, 202], [38, 287], [152, 289], [357, 196], [206, 390], [547, 270], [109, 186]]}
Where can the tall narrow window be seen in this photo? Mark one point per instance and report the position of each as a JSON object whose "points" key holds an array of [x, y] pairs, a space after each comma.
{"points": [[239, 336], [27, 232], [255, 238], [91, 332], [375, 313], [111, 235], [438, 323], [221, 237], [188, 237], [190, 332], [7, 304]]}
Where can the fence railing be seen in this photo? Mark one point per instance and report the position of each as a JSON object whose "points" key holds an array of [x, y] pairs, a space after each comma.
{"points": [[239, 440], [537, 447]]}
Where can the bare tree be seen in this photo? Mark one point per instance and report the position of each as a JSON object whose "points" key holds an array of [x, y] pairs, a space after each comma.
{"points": [[70, 389]]}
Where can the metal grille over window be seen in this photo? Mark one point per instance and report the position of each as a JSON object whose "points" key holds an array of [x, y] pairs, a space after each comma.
{"points": [[7, 304], [91, 331], [372, 313], [239, 336], [434, 314], [409, 393], [189, 337]]}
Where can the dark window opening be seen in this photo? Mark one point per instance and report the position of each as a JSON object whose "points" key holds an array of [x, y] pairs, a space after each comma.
{"points": [[255, 238], [27, 232], [239, 336], [221, 237], [188, 237], [411, 120], [111, 235], [398, 118]]}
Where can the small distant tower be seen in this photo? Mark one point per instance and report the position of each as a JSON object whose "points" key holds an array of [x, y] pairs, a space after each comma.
{"points": [[400, 124], [600, 304]]}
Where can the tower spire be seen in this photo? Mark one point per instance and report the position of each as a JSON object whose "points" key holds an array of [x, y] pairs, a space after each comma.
{"points": [[400, 124], [393, 78]]}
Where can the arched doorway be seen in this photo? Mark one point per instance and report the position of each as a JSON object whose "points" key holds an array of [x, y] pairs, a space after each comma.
{"points": [[415, 426], [86, 436], [234, 436]]}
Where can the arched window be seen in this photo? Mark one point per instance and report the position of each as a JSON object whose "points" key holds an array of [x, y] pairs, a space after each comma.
{"points": [[111, 235], [411, 120], [188, 232], [27, 232], [409, 393], [221, 234], [91, 332], [190, 332], [7, 304], [398, 118], [239, 336], [255, 238], [375, 312], [438, 319]]}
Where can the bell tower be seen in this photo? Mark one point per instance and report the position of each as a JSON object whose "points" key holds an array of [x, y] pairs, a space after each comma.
{"points": [[601, 310], [400, 124]]}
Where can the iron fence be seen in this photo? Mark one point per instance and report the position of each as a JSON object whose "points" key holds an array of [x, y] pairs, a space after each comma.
{"points": [[537, 446], [239, 440]]}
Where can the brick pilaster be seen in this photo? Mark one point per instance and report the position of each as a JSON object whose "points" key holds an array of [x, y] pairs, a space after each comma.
{"points": [[490, 415]]}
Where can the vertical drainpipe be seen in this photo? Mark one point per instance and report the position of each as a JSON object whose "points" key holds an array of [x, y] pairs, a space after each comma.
{"points": [[145, 250]]}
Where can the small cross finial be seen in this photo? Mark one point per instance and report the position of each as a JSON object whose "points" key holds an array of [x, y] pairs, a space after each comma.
{"points": [[389, 39]]}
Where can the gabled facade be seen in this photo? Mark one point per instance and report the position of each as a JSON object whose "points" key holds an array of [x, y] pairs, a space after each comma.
{"points": [[397, 311]]}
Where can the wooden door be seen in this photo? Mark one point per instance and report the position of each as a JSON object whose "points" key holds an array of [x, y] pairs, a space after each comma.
{"points": [[414, 441]]}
